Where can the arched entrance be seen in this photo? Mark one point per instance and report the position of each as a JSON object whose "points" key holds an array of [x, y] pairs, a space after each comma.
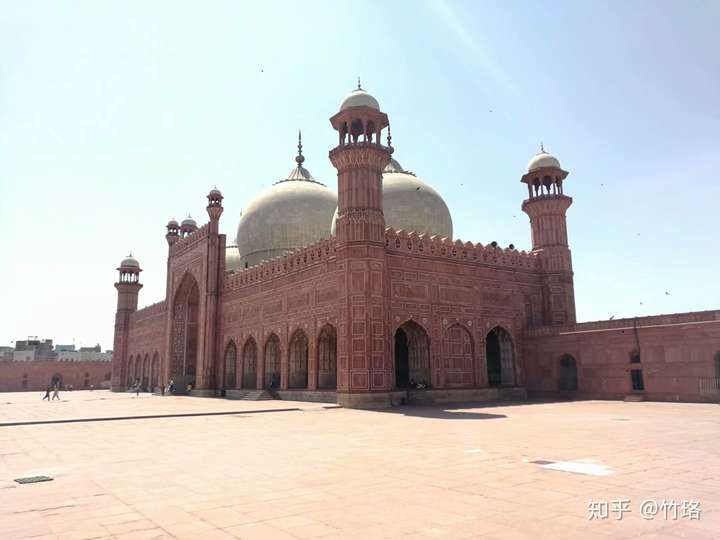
{"points": [[499, 357], [249, 367], [138, 370], [272, 362], [155, 372], [184, 348], [145, 380], [298, 360], [130, 372], [56, 380], [412, 356], [230, 367], [568, 377], [327, 358]]}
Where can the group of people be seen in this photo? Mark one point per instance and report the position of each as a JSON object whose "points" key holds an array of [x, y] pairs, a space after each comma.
{"points": [[55, 393], [170, 388], [422, 385]]}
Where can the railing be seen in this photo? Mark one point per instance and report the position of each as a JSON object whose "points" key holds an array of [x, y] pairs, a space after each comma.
{"points": [[709, 386]]}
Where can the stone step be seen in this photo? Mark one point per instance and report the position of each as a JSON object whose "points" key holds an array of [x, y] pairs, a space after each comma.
{"points": [[635, 398], [249, 395]]}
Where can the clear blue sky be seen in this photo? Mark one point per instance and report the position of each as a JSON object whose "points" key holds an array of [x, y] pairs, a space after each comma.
{"points": [[116, 116]]}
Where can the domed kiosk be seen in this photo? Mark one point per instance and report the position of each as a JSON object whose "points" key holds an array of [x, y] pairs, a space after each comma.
{"points": [[411, 204], [290, 214]]}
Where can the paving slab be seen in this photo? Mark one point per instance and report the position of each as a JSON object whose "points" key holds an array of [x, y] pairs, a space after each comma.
{"points": [[465, 471]]}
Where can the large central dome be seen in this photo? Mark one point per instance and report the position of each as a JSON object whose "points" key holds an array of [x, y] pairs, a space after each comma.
{"points": [[290, 214], [411, 204]]}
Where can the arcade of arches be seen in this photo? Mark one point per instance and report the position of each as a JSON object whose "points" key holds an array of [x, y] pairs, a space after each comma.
{"points": [[416, 367]]}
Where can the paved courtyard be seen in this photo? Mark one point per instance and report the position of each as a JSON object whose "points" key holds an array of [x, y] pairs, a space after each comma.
{"points": [[492, 472]]}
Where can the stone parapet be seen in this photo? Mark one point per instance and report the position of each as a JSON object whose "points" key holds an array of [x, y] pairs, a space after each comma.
{"points": [[434, 246]]}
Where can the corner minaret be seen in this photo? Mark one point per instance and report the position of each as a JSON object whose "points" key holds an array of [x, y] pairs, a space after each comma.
{"points": [[360, 159], [546, 206], [128, 287], [365, 365]]}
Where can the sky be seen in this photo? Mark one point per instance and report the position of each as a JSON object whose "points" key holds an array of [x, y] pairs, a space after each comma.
{"points": [[117, 116]]}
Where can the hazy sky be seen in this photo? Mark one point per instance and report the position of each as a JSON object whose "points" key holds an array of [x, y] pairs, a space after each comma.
{"points": [[116, 116]]}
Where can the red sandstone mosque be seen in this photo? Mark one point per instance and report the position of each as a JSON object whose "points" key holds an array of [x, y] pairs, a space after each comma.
{"points": [[366, 299]]}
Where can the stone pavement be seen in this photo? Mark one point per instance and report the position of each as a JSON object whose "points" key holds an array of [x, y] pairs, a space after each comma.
{"points": [[411, 472]]}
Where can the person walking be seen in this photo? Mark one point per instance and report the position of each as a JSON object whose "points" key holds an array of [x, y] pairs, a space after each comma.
{"points": [[47, 394], [137, 388], [56, 393], [171, 387]]}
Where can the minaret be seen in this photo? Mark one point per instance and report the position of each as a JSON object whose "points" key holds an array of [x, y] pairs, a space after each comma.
{"points": [[128, 287], [211, 364], [546, 206], [365, 373]]}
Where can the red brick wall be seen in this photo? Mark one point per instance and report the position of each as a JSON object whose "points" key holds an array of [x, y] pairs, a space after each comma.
{"points": [[40, 374], [678, 356]]}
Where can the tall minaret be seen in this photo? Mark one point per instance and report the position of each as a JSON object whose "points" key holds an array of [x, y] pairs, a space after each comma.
{"points": [[546, 206], [365, 372], [128, 287]]}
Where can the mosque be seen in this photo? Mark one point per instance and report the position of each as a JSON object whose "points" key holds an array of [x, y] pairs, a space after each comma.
{"points": [[365, 298]]}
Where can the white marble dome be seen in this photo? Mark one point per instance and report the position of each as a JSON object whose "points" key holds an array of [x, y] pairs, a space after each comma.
{"points": [[411, 204], [543, 159], [130, 262], [359, 98], [290, 214], [232, 258]]}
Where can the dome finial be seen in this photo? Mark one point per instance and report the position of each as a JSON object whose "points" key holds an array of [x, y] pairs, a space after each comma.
{"points": [[359, 87], [542, 148], [300, 158], [389, 137]]}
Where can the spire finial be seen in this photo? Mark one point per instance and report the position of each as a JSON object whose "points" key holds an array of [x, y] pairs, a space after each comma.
{"points": [[359, 88], [542, 148], [300, 158], [389, 137]]}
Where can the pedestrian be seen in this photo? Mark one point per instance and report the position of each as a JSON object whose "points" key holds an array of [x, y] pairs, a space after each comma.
{"points": [[162, 389], [137, 388], [56, 392], [171, 386], [47, 394]]}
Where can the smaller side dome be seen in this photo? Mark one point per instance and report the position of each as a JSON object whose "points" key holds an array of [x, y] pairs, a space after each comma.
{"points": [[130, 262], [189, 222], [542, 159], [232, 258], [173, 224], [359, 98]]}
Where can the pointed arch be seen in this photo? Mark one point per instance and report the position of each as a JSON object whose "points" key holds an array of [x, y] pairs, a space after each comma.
{"points": [[458, 359], [327, 358], [138, 369], [145, 376], [230, 366], [249, 363], [298, 360], [271, 354], [568, 378], [130, 372], [155, 372], [500, 357], [185, 325], [412, 356]]}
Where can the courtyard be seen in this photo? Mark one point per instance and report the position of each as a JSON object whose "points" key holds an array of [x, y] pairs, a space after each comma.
{"points": [[182, 467]]}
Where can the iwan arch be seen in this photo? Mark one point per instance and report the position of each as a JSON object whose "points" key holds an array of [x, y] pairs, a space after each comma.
{"points": [[364, 298]]}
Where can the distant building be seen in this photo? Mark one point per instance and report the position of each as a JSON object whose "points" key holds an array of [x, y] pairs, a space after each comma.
{"points": [[33, 364]]}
